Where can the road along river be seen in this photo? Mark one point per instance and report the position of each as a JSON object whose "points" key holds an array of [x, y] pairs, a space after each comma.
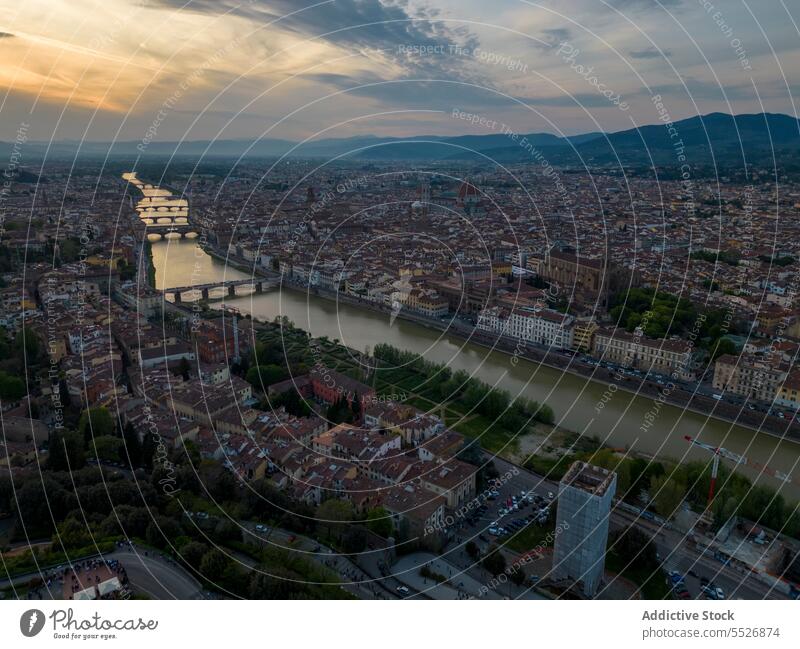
{"points": [[575, 399]]}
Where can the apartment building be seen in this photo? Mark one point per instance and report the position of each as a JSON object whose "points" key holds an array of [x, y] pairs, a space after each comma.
{"points": [[537, 325], [635, 350], [753, 376]]}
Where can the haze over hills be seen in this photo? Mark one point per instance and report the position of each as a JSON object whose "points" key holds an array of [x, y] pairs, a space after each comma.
{"points": [[714, 138]]}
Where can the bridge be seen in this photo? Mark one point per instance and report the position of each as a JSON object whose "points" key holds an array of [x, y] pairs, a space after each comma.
{"points": [[258, 284], [168, 228]]}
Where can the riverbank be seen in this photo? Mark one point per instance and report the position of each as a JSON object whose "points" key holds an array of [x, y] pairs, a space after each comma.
{"points": [[658, 394]]}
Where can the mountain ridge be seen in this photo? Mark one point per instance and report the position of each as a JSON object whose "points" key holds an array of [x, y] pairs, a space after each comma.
{"points": [[714, 137]]}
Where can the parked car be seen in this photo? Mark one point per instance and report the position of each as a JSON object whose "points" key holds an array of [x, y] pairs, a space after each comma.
{"points": [[403, 590], [713, 592], [676, 577]]}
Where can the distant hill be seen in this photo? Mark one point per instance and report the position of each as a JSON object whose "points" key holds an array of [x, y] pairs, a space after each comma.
{"points": [[716, 137]]}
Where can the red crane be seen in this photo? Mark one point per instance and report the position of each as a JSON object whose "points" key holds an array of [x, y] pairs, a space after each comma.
{"points": [[719, 452]]}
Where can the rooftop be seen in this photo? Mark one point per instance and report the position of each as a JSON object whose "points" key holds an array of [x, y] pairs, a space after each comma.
{"points": [[592, 479]]}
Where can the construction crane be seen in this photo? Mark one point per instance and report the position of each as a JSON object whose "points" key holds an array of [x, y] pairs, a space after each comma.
{"points": [[719, 452]]}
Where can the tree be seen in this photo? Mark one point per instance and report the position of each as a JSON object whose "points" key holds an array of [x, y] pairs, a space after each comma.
{"points": [[213, 565], [354, 540], [65, 451], [12, 388], [184, 367], [333, 514], [339, 412], [380, 522], [193, 553], [73, 534], [27, 343], [262, 376], [472, 549], [293, 403], [722, 347], [636, 548], [494, 561], [667, 494], [107, 448], [132, 453], [69, 249], [95, 422]]}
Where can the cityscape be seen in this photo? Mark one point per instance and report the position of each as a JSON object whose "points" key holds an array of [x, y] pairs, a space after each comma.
{"points": [[424, 341]]}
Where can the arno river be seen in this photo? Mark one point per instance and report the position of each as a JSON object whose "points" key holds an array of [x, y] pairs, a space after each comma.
{"points": [[180, 262]]}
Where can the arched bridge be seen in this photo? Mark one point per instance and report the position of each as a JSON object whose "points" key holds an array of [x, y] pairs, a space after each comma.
{"points": [[259, 286]]}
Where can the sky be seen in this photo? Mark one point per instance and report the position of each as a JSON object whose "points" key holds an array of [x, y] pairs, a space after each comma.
{"points": [[164, 70]]}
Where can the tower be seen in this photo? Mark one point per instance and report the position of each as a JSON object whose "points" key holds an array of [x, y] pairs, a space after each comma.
{"points": [[469, 198], [584, 506]]}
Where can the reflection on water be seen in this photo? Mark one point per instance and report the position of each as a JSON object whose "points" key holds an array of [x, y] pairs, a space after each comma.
{"points": [[181, 262]]}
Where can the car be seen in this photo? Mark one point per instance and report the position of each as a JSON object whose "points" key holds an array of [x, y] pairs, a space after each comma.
{"points": [[494, 531], [403, 590], [261, 529], [682, 593], [713, 592], [550, 495], [676, 577]]}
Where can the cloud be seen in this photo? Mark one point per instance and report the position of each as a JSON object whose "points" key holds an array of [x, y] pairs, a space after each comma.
{"points": [[6, 35], [649, 53], [392, 33], [368, 24], [646, 5], [551, 37], [412, 92]]}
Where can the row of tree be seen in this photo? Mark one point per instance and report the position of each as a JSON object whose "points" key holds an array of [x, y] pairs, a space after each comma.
{"points": [[496, 404]]}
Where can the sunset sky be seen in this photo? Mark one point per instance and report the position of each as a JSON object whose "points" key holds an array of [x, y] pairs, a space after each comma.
{"points": [[295, 69]]}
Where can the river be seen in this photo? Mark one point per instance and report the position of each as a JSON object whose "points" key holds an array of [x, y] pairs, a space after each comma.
{"points": [[180, 262]]}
